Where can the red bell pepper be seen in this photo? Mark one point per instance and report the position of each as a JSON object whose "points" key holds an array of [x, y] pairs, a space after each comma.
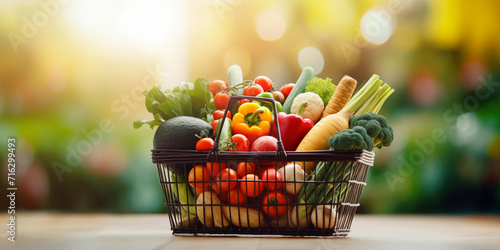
{"points": [[293, 128]]}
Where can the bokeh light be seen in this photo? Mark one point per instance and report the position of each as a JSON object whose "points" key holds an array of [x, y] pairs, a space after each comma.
{"points": [[271, 23], [310, 56], [377, 25]]}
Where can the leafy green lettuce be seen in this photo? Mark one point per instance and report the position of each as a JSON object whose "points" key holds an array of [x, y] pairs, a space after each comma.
{"points": [[188, 99], [323, 87]]}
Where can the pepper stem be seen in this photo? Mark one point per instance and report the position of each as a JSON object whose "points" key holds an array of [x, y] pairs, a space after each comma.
{"points": [[301, 108], [254, 119]]}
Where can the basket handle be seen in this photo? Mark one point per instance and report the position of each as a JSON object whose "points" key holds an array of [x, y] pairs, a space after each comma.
{"points": [[213, 155]]}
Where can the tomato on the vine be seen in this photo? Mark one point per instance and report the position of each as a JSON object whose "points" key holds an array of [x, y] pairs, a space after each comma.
{"points": [[264, 82], [285, 90], [220, 100], [205, 144], [274, 204], [217, 86], [241, 142], [218, 114], [253, 90]]}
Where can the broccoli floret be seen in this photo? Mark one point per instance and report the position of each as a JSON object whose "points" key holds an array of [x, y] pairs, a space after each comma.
{"points": [[351, 139], [323, 87], [376, 126]]}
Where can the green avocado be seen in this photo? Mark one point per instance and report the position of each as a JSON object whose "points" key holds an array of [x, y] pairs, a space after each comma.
{"points": [[180, 133]]}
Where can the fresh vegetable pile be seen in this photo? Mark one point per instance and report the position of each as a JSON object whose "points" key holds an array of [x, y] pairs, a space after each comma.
{"points": [[313, 114]]}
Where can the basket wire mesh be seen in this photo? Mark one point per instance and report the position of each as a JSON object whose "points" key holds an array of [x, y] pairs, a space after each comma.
{"points": [[217, 215]]}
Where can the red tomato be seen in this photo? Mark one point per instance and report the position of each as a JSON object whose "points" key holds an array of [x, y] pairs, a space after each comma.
{"points": [[199, 191], [225, 179], [214, 126], [274, 204], [264, 82], [224, 197], [237, 197], [241, 142], [216, 85], [218, 114], [199, 177], [245, 168], [209, 187], [205, 144], [262, 168], [253, 90], [265, 143], [273, 178], [243, 101], [215, 167], [251, 186], [220, 100], [285, 90], [215, 187]]}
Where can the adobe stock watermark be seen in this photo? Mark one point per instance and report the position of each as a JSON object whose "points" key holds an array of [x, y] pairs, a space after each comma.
{"points": [[374, 26], [122, 106], [31, 26], [222, 7], [427, 146]]}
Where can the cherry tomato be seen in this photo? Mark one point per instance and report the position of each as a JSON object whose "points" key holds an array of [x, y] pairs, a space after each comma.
{"points": [[203, 189], [264, 82], [199, 191], [243, 101], [245, 168], [253, 90], [225, 179], [241, 141], [220, 100], [214, 126], [286, 89], [199, 177], [274, 204], [215, 187], [218, 114], [251, 186], [216, 85], [273, 178], [237, 197], [205, 144], [215, 167]]}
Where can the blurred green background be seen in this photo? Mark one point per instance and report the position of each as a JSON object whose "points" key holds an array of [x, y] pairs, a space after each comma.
{"points": [[71, 74]]}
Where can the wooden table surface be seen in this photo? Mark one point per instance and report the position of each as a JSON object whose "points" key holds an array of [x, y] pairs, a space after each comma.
{"points": [[152, 231]]}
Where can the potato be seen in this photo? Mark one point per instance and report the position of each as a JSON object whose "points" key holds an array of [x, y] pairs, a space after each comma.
{"points": [[244, 217], [210, 215]]}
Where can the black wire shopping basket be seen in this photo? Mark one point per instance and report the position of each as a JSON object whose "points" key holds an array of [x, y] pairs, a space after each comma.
{"points": [[313, 205]]}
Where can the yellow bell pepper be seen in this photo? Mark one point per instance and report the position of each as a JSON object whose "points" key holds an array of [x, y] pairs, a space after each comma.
{"points": [[252, 121]]}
